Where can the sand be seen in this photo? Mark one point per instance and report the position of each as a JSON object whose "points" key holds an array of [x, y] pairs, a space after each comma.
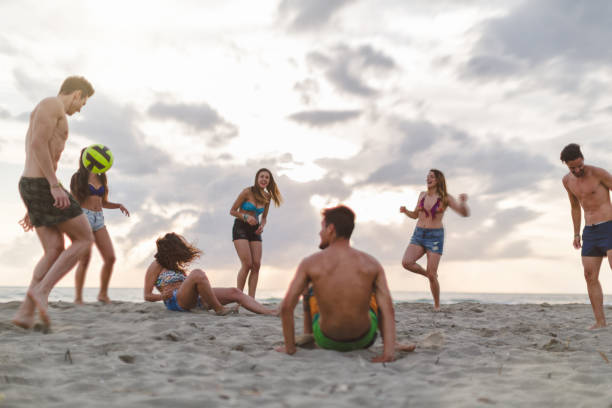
{"points": [[141, 355]]}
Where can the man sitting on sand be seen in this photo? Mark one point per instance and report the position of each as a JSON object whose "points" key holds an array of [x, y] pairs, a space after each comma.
{"points": [[346, 294]]}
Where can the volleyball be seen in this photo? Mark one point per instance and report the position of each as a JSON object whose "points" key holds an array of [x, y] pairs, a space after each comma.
{"points": [[97, 158]]}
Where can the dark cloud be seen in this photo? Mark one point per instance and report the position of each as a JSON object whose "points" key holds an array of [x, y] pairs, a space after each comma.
{"points": [[500, 167], [557, 43], [308, 15], [349, 69], [322, 118], [103, 121], [201, 118]]}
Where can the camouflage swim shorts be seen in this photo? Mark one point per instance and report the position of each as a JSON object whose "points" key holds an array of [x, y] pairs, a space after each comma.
{"points": [[36, 195]]}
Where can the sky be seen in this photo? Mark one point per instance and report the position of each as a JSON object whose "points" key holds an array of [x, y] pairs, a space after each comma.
{"points": [[345, 101]]}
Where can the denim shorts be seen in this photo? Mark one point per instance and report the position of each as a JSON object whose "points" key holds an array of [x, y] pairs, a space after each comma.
{"points": [[95, 218], [432, 239], [597, 239], [172, 303]]}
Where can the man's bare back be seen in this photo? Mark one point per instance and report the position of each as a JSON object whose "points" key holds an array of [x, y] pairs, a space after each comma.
{"points": [[343, 280]]}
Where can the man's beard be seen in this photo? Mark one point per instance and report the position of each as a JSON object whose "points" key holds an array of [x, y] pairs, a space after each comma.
{"points": [[323, 245]]}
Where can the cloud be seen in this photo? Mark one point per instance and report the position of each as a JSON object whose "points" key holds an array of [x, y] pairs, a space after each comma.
{"points": [[34, 88], [322, 118], [307, 89], [4, 114], [308, 15], [349, 69], [103, 121], [6, 47], [201, 118], [556, 43], [500, 167]]}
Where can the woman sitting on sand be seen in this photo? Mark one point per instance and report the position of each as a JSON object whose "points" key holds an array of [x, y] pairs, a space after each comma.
{"points": [[428, 236], [181, 291]]}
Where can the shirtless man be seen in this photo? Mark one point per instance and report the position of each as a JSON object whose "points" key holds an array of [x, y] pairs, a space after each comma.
{"points": [[51, 210], [589, 187], [348, 295]]}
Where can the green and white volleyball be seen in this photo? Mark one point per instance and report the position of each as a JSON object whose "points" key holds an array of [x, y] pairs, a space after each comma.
{"points": [[97, 158]]}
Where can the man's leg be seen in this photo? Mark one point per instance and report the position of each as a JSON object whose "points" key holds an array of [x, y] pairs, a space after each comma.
{"points": [[52, 242], [591, 266], [79, 231]]}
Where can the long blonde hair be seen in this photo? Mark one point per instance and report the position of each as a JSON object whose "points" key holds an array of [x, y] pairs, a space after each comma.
{"points": [[272, 188], [441, 186]]}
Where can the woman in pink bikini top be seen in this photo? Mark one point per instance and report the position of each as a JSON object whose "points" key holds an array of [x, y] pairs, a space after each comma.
{"points": [[428, 236]]}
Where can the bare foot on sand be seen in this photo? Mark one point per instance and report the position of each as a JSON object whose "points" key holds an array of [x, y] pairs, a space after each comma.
{"points": [[104, 299], [304, 340], [224, 311], [78, 301], [25, 321], [405, 347], [598, 326], [42, 306]]}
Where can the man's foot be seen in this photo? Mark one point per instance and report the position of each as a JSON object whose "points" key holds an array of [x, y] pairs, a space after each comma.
{"points": [[41, 304], [23, 321], [405, 347], [104, 299]]}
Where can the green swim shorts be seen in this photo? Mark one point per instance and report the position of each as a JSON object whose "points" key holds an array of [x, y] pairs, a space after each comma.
{"points": [[36, 195], [325, 342]]}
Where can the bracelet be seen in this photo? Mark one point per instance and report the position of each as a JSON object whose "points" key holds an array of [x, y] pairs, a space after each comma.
{"points": [[58, 185], [576, 235], [245, 217]]}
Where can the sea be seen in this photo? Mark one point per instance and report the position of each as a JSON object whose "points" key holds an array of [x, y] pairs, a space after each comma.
{"points": [[66, 294]]}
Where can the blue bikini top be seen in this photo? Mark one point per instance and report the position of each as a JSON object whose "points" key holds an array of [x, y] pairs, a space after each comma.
{"points": [[248, 206], [96, 191]]}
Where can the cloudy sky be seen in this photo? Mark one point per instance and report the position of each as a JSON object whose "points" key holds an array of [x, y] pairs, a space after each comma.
{"points": [[349, 101]]}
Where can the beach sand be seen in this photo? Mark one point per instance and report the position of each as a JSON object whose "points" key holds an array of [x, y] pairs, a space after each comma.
{"points": [[141, 355]]}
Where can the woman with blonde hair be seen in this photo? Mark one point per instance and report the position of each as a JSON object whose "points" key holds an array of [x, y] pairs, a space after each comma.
{"points": [[252, 202], [428, 236]]}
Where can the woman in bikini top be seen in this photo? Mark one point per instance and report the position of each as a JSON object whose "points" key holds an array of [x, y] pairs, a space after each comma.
{"points": [[91, 191], [251, 204], [181, 291], [428, 236]]}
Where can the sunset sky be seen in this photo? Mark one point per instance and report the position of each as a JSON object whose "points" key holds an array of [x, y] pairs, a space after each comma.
{"points": [[345, 101]]}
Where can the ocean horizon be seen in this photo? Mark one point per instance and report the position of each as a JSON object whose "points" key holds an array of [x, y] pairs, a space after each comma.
{"points": [[66, 294]]}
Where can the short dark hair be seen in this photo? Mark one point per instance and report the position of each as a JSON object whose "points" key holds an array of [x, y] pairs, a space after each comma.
{"points": [[76, 83], [343, 219], [571, 152]]}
